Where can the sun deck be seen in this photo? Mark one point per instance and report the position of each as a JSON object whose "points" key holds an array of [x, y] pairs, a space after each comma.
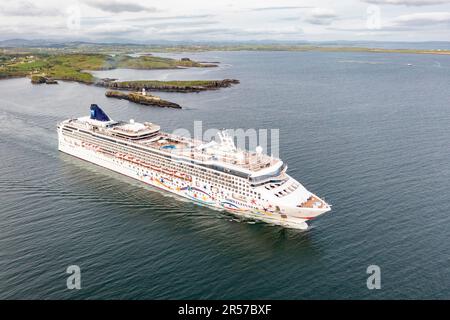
{"points": [[148, 135], [134, 130], [191, 148], [313, 202]]}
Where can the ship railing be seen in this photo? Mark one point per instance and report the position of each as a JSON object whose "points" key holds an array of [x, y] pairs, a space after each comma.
{"points": [[246, 163]]}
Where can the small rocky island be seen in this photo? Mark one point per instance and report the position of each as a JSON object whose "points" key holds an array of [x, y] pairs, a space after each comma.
{"points": [[48, 66], [37, 79], [142, 98], [167, 86]]}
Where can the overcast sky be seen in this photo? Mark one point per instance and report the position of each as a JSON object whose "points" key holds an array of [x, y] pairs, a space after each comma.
{"points": [[142, 21]]}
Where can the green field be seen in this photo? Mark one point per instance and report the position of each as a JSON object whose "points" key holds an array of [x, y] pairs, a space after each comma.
{"points": [[151, 62], [76, 67]]}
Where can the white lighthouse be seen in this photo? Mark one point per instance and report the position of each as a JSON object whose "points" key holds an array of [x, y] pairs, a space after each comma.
{"points": [[143, 92]]}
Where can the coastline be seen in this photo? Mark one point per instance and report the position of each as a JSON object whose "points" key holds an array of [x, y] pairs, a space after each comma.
{"points": [[48, 68]]}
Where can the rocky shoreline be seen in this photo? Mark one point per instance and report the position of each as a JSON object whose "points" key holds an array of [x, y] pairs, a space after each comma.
{"points": [[167, 86], [147, 99], [36, 79]]}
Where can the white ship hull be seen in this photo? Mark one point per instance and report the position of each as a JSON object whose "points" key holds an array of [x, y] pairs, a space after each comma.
{"points": [[247, 184], [183, 188]]}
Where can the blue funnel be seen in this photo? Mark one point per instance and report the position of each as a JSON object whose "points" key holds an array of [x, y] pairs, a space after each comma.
{"points": [[98, 114]]}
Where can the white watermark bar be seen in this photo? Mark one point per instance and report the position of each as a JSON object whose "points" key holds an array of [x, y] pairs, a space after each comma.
{"points": [[260, 140]]}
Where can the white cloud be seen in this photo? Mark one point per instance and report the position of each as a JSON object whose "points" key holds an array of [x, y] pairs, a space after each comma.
{"points": [[27, 8], [422, 19], [409, 2], [280, 8], [142, 20], [321, 16], [112, 29], [117, 6]]}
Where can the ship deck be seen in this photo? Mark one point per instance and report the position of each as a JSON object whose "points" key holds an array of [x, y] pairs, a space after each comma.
{"points": [[189, 148], [313, 202], [186, 147]]}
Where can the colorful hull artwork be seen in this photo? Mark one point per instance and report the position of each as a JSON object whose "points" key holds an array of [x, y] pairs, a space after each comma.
{"points": [[199, 195], [229, 206], [248, 184]]}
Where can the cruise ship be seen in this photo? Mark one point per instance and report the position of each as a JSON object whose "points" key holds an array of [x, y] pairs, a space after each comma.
{"points": [[217, 174]]}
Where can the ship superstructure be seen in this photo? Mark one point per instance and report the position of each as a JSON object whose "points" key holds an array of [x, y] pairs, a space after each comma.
{"points": [[217, 174]]}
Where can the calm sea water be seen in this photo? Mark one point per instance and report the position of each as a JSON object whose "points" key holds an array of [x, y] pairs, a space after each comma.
{"points": [[366, 131]]}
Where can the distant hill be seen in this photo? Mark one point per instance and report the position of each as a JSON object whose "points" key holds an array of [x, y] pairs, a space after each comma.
{"points": [[19, 43], [42, 43]]}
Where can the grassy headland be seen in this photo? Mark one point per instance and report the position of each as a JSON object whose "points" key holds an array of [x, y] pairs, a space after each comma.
{"points": [[75, 67], [49, 67], [74, 61]]}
